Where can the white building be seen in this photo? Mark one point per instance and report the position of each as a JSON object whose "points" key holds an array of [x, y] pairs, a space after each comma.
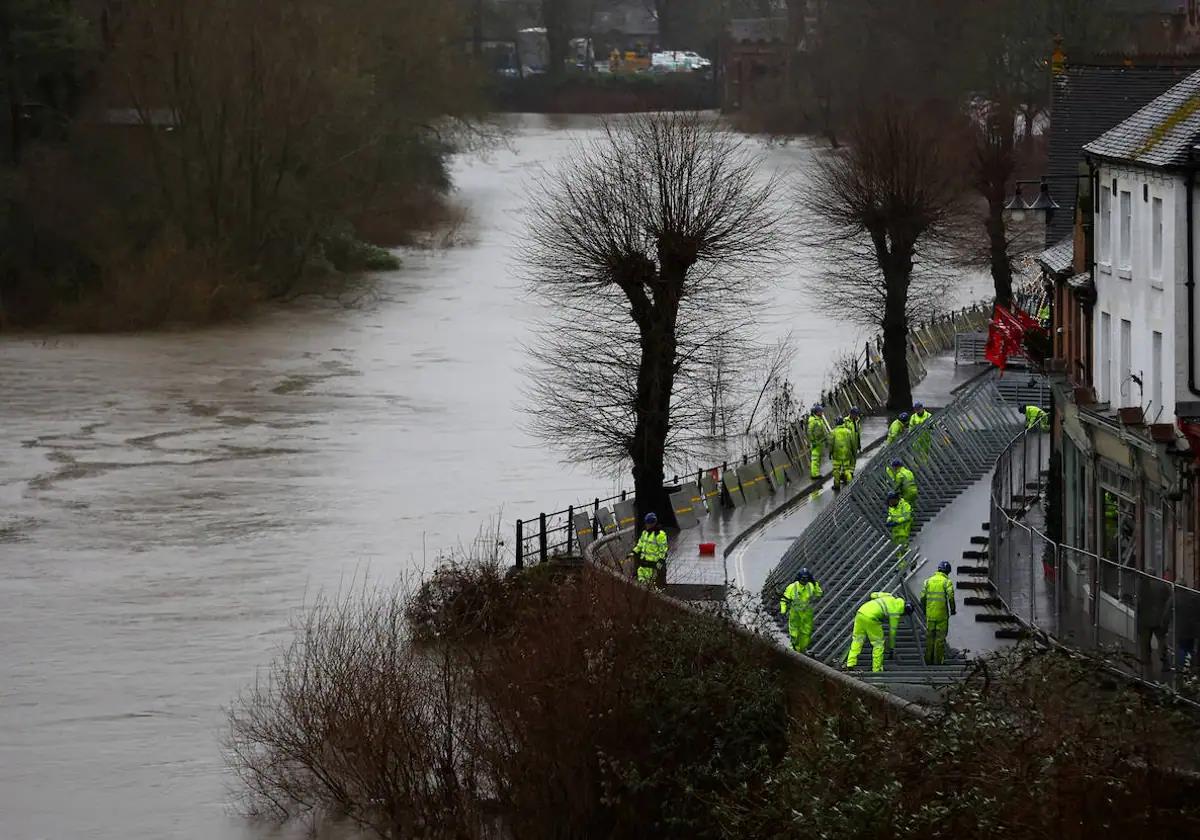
{"points": [[1143, 330]]}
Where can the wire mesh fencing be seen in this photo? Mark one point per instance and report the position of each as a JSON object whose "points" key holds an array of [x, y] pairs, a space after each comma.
{"points": [[1149, 625]]}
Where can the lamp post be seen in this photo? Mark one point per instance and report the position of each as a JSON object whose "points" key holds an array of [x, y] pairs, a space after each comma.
{"points": [[1042, 207]]}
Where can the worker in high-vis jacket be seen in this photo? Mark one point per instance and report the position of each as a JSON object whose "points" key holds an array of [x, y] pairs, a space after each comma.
{"points": [[924, 441], [854, 421], [874, 619], [899, 524], [818, 437], [919, 415], [897, 426], [903, 481], [797, 604], [1036, 418], [650, 551], [937, 600], [841, 452]]}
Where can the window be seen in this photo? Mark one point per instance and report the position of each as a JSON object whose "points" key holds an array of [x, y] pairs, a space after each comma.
{"points": [[1154, 554], [1106, 357], [1126, 229], [1126, 384], [1157, 384], [1156, 236], [1104, 229]]}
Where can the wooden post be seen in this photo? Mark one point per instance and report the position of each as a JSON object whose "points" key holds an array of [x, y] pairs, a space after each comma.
{"points": [[542, 536], [520, 545]]}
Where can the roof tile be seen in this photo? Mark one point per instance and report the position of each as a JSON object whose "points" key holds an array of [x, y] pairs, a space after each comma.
{"points": [[1158, 135], [1088, 101]]}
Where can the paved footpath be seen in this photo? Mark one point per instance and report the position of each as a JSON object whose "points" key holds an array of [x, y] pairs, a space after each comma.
{"points": [[750, 540]]}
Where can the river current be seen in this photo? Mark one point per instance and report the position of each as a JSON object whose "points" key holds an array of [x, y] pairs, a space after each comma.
{"points": [[168, 500]]}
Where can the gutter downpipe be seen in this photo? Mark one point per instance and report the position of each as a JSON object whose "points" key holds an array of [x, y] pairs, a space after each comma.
{"points": [[1191, 279]]}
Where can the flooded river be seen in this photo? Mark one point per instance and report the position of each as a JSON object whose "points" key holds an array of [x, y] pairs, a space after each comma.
{"points": [[168, 499]]}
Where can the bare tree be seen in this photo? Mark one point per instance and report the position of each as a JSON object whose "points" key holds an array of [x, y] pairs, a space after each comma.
{"points": [[882, 208], [647, 244], [992, 167], [556, 19]]}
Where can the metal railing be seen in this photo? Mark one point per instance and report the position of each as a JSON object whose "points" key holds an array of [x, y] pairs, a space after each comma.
{"points": [[849, 547], [563, 532], [1082, 599]]}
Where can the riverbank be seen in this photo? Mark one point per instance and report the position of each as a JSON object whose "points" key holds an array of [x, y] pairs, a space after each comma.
{"points": [[171, 286], [606, 93], [170, 499]]}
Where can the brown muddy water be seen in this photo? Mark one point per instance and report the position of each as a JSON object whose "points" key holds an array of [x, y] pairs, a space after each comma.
{"points": [[168, 500]]}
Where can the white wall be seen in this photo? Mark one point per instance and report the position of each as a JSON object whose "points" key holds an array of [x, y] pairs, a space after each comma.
{"points": [[1133, 292]]}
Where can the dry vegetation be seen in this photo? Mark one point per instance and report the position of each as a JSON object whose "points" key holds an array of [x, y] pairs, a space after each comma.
{"points": [[564, 702], [225, 152]]}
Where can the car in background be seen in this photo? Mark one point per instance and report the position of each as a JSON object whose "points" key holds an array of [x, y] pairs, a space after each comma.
{"points": [[678, 61]]}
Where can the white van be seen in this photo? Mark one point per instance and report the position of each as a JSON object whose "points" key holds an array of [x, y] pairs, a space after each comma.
{"points": [[678, 60]]}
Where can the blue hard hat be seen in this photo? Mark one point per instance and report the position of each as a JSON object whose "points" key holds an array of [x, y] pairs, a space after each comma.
{"points": [[918, 404], [651, 519], [855, 410], [893, 496], [804, 574], [896, 462], [903, 416], [944, 567], [818, 408], [908, 608]]}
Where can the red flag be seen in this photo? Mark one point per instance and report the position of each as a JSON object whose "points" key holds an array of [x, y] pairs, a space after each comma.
{"points": [[1006, 333]]}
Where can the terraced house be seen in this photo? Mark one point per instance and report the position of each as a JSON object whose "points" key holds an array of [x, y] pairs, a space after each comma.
{"points": [[1126, 322]]}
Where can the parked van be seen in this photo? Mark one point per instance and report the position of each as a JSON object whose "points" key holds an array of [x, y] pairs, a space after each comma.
{"points": [[678, 60]]}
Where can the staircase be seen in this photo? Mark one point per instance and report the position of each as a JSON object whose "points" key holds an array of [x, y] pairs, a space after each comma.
{"points": [[849, 547]]}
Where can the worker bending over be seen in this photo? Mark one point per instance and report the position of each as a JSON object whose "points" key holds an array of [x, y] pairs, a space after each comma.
{"points": [[903, 481], [882, 611], [899, 524], [1036, 418], [898, 426]]}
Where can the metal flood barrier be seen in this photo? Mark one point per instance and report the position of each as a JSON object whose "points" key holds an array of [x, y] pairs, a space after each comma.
{"points": [[849, 547], [776, 464]]}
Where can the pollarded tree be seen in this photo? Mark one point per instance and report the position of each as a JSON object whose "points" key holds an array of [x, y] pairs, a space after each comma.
{"points": [[648, 243], [883, 208]]}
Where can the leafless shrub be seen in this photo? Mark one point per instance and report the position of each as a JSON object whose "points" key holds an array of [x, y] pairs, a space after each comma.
{"points": [[354, 722]]}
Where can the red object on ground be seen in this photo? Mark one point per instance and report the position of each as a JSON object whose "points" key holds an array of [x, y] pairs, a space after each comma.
{"points": [[708, 549]]}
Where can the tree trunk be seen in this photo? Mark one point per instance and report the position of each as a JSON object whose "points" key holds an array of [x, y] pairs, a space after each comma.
{"points": [[997, 164], [12, 86], [555, 17], [477, 30], [895, 340], [656, 380], [998, 250], [666, 24]]}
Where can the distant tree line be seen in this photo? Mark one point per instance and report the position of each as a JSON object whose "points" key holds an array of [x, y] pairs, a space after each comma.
{"points": [[171, 159]]}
